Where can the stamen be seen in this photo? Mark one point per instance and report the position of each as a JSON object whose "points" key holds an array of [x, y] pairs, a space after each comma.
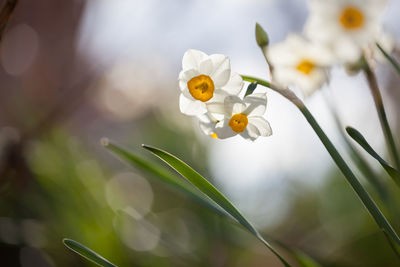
{"points": [[305, 67], [351, 18], [201, 87], [214, 135], [238, 122]]}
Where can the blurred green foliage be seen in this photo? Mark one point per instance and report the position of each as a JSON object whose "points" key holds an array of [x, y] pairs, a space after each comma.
{"points": [[66, 197]]}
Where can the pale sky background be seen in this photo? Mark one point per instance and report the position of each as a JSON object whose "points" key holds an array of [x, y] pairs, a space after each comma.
{"points": [[159, 32]]}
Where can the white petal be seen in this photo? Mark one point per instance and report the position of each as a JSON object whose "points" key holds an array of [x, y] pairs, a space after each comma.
{"points": [[234, 85], [216, 104], [192, 58], [281, 54], [284, 75], [256, 104], [207, 129], [221, 69], [191, 107], [296, 49], [322, 29], [206, 67], [250, 133], [223, 130], [206, 118], [347, 50], [185, 76], [207, 124], [188, 74], [216, 108], [218, 96], [262, 125], [233, 105], [306, 83]]}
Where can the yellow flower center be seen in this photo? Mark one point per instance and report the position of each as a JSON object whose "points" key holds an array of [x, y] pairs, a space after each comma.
{"points": [[351, 18], [201, 87], [238, 122], [214, 135], [305, 67]]}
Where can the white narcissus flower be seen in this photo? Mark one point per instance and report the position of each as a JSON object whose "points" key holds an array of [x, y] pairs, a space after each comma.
{"points": [[300, 63], [205, 79], [242, 117], [346, 26]]}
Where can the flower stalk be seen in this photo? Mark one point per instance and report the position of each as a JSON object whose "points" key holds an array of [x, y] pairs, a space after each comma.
{"points": [[365, 198], [376, 94], [263, 42]]}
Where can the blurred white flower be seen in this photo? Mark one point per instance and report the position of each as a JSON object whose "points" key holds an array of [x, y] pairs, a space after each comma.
{"points": [[205, 79], [346, 26], [300, 63], [242, 117]]}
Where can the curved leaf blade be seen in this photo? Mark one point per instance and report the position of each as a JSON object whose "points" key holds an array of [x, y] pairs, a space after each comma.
{"points": [[392, 61], [208, 189], [87, 253], [160, 173], [359, 138]]}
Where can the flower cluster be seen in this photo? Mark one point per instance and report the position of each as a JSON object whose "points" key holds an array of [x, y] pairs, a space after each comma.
{"points": [[210, 92], [337, 32]]}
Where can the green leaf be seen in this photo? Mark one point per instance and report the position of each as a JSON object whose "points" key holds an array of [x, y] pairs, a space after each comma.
{"points": [[261, 36], [302, 258], [87, 253], [359, 138], [208, 189], [250, 89], [392, 61], [161, 174]]}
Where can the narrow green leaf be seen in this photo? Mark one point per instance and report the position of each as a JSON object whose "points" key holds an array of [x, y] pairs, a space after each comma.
{"points": [[305, 260], [208, 189], [87, 253], [302, 258], [162, 174], [392, 244], [383, 120], [359, 138], [392, 61], [251, 88]]}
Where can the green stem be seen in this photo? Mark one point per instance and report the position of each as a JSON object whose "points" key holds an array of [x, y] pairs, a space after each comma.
{"points": [[376, 94], [359, 160], [283, 91], [365, 198], [350, 177]]}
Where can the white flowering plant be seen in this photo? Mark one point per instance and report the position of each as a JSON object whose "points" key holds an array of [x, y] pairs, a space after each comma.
{"points": [[338, 33]]}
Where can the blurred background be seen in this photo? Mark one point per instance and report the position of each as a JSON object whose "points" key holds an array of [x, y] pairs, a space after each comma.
{"points": [[74, 71]]}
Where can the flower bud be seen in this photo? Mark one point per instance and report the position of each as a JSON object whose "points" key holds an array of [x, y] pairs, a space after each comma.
{"points": [[261, 37]]}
